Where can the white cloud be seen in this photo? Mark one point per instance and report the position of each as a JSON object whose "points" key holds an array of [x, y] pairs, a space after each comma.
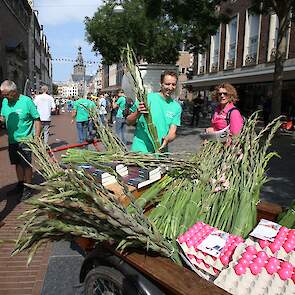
{"points": [[57, 12]]}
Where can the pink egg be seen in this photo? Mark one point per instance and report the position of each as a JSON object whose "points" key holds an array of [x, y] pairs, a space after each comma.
{"points": [[291, 240], [239, 240], [285, 274], [198, 260], [283, 229], [255, 268], [215, 270], [228, 253], [191, 231], [263, 244], [271, 268], [274, 247], [224, 259], [251, 250], [287, 265], [248, 256], [244, 262], [259, 261], [187, 236], [232, 247], [190, 243], [206, 265], [288, 247], [240, 269], [196, 227], [280, 239], [262, 255], [273, 260], [181, 239]]}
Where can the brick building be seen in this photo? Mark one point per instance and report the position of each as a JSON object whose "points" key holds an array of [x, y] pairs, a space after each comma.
{"points": [[14, 40], [24, 50], [242, 53]]}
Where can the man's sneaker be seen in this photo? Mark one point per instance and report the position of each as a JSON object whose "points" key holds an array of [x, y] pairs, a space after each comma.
{"points": [[17, 190], [27, 193]]}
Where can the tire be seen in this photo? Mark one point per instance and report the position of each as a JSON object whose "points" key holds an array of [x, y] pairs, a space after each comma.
{"points": [[104, 280]]}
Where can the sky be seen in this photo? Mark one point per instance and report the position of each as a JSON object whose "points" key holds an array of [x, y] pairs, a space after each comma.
{"points": [[63, 23]]}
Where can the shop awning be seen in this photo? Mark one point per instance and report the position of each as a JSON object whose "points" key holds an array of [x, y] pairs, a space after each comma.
{"points": [[259, 73]]}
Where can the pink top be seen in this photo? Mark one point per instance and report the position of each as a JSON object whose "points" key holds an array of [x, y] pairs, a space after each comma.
{"points": [[219, 122]]}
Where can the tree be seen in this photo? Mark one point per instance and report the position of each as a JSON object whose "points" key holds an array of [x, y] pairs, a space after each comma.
{"points": [[153, 28], [153, 40], [196, 19], [284, 9]]}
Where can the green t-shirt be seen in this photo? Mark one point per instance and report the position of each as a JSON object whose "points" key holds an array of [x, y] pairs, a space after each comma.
{"points": [[165, 112], [19, 117], [82, 106], [121, 102]]}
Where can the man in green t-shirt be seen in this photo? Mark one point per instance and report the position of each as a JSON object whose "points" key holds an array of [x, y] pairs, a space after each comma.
{"points": [[80, 112], [120, 125], [165, 112], [21, 116]]}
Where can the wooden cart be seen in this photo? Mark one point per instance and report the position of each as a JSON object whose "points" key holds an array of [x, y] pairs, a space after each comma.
{"points": [[154, 274]]}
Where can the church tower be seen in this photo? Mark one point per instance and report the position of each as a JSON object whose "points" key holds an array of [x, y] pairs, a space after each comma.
{"points": [[79, 67]]}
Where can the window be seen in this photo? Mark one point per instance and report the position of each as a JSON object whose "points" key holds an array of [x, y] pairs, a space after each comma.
{"points": [[252, 28], [231, 43], [214, 56], [201, 63]]}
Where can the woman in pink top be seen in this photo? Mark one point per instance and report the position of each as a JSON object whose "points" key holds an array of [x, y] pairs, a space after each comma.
{"points": [[227, 96]]}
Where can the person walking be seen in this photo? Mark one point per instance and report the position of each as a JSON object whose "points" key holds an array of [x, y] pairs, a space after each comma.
{"points": [[80, 113], [22, 119], [45, 105], [165, 112], [102, 109], [120, 124], [197, 107]]}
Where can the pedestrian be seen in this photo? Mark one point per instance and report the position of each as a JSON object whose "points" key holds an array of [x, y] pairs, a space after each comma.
{"points": [[266, 110], [120, 124], [226, 114], [165, 113], [22, 118], [102, 109], [197, 107], [80, 113], [45, 105]]}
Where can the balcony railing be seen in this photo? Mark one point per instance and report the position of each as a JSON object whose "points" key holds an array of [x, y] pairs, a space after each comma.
{"points": [[273, 54], [250, 59], [202, 70], [230, 64], [214, 67]]}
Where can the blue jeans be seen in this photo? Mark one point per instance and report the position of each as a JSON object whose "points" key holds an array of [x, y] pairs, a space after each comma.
{"points": [[83, 129], [121, 129]]}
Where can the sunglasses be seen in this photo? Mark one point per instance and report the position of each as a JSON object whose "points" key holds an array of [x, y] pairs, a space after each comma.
{"points": [[222, 93]]}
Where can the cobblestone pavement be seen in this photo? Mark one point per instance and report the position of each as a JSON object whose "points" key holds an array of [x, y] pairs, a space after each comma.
{"points": [[60, 262]]}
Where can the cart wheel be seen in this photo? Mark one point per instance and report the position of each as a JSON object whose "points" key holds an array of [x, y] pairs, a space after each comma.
{"points": [[104, 280]]}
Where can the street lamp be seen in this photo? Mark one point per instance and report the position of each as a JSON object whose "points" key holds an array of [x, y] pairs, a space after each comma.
{"points": [[118, 8]]}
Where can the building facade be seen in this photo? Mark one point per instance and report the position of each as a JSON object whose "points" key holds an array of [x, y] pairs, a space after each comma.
{"points": [[24, 50], [14, 41], [242, 53]]}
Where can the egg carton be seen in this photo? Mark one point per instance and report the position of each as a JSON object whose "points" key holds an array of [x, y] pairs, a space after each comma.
{"points": [[211, 261], [249, 284], [203, 265], [280, 254]]}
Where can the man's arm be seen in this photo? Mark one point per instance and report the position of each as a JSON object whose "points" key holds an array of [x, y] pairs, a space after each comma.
{"points": [[38, 127], [2, 119], [169, 137], [73, 114], [132, 118]]}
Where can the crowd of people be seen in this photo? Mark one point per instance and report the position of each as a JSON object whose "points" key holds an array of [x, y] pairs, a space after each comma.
{"points": [[25, 116]]}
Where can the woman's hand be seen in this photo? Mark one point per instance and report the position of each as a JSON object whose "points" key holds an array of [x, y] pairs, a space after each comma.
{"points": [[209, 130]]}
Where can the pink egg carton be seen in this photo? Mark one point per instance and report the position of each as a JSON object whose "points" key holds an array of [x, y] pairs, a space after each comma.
{"points": [[192, 238], [283, 246], [255, 272]]}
